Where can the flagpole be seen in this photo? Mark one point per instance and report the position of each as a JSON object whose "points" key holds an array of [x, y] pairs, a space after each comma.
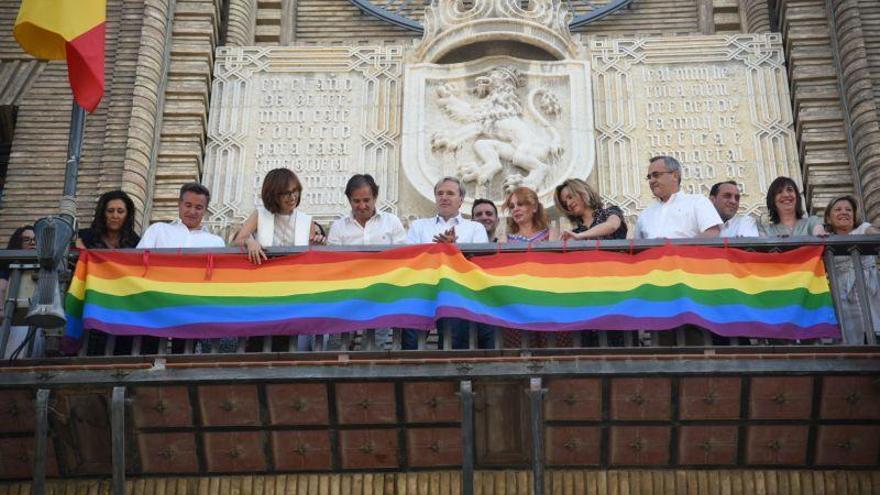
{"points": [[74, 153]]}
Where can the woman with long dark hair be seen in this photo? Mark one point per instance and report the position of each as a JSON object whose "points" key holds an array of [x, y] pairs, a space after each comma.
{"points": [[113, 224]]}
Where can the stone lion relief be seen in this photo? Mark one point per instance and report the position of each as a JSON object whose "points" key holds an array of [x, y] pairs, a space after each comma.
{"points": [[497, 123], [501, 126]]}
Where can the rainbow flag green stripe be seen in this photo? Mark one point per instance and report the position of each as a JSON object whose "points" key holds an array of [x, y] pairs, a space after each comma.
{"points": [[730, 292]]}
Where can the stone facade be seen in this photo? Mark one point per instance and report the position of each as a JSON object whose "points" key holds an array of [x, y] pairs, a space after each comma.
{"points": [[149, 134]]}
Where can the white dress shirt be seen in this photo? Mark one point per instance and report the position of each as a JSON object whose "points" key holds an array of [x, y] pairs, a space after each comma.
{"points": [[381, 228], [177, 235], [681, 216], [740, 226], [423, 230]]}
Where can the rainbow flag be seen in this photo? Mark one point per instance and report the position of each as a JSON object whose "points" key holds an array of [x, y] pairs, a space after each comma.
{"points": [[728, 291], [71, 30]]}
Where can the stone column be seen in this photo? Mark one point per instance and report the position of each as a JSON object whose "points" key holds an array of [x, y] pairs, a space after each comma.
{"points": [[138, 167], [706, 16], [755, 16], [288, 22], [819, 125], [857, 99], [242, 22]]}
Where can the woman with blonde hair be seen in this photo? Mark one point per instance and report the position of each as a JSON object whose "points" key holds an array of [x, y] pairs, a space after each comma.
{"points": [[528, 221], [583, 207]]}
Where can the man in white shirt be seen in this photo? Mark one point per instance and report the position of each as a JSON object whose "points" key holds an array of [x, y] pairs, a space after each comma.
{"points": [[447, 225], [365, 225], [675, 214], [725, 197], [187, 231]]}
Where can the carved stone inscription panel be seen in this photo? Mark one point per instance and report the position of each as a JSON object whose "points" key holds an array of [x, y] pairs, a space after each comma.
{"points": [[719, 104], [325, 113]]}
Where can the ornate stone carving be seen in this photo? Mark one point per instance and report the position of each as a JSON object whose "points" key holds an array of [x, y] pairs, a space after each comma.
{"points": [[720, 104], [498, 122], [324, 112], [501, 126], [451, 24]]}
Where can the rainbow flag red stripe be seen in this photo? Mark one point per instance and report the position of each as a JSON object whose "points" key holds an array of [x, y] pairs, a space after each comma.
{"points": [[728, 291]]}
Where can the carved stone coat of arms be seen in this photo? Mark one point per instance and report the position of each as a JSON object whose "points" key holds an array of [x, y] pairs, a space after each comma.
{"points": [[498, 123]]}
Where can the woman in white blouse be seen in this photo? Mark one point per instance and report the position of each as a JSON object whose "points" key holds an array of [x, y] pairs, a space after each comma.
{"points": [[278, 222]]}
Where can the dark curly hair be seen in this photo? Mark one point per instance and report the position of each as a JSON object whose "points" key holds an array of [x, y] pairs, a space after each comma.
{"points": [[99, 222], [15, 241]]}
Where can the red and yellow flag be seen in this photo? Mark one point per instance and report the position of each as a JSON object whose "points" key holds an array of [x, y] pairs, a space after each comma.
{"points": [[71, 30]]}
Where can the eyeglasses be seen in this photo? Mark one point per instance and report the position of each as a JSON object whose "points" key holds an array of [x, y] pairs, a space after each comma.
{"points": [[288, 194], [28, 240], [656, 175]]}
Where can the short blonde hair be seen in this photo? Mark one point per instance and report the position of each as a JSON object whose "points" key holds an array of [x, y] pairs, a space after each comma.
{"points": [[579, 187], [529, 197]]}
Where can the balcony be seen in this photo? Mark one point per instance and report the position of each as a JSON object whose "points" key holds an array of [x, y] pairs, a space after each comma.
{"points": [[130, 407]]}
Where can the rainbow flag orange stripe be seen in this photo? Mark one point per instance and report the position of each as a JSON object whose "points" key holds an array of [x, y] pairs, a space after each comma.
{"points": [[728, 291], [71, 30]]}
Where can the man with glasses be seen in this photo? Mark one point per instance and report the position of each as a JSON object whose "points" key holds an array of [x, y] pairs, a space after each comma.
{"points": [[675, 214]]}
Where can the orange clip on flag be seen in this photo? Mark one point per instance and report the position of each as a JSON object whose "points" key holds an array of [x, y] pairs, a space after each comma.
{"points": [[71, 30]]}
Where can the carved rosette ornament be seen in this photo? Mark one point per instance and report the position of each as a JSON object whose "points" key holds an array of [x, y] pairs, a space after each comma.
{"points": [[450, 24]]}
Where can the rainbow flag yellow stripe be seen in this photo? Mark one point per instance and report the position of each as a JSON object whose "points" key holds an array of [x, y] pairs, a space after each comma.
{"points": [[728, 291]]}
